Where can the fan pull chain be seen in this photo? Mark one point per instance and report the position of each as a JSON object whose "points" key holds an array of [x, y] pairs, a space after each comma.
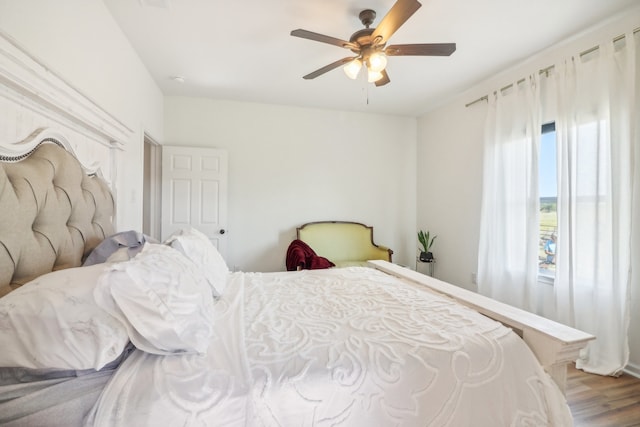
{"points": [[365, 89]]}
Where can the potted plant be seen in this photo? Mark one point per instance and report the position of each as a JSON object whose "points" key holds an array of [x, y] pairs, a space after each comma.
{"points": [[425, 246]]}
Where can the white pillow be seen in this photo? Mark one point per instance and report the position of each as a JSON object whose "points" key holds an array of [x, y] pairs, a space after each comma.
{"points": [[198, 248], [54, 322], [162, 298]]}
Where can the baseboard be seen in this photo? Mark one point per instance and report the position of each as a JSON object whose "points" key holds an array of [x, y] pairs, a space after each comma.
{"points": [[633, 370]]}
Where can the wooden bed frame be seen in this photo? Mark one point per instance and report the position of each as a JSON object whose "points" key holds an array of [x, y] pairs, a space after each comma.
{"points": [[33, 97], [51, 124], [554, 344]]}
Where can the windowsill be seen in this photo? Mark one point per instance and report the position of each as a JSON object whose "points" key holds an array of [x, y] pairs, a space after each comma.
{"points": [[546, 279]]}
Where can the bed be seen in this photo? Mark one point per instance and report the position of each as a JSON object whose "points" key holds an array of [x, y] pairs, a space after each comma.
{"points": [[163, 333], [171, 337]]}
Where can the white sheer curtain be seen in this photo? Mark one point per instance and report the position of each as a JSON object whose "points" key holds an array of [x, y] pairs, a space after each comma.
{"points": [[596, 133], [595, 130], [508, 260]]}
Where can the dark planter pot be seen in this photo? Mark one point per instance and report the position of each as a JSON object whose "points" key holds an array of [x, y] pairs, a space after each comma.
{"points": [[426, 257]]}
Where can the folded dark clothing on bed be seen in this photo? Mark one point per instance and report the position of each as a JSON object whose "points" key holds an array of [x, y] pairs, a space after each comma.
{"points": [[299, 254]]}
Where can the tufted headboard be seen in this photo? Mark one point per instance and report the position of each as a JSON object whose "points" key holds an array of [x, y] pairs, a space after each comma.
{"points": [[52, 213]]}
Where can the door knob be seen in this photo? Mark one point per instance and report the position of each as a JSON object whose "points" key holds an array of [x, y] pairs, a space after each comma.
{"points": [[222, 231]]}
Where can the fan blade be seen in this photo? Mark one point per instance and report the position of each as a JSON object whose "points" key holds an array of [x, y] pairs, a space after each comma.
{"points": [[426, 49], [397, 15], [384, 80], [324, 39], [327, 68]]}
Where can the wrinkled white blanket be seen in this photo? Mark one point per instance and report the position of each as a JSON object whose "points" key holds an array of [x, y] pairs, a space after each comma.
{"points": [[338, 347]]}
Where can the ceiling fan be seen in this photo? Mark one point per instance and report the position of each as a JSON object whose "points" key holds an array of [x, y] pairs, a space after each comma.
{"points": [[369, 44]]}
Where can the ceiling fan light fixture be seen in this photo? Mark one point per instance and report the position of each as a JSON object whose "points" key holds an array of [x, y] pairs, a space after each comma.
{"points": [[377, 61], [370, 45], [352, 69], [374, 76]]}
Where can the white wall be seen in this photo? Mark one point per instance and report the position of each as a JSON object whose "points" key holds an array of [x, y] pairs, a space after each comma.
{"points": [[290, 165], [80, 41], [449, 155], [449, 188]]}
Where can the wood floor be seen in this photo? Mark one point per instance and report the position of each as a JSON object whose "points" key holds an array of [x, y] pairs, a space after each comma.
{"points": [[603, 401]]}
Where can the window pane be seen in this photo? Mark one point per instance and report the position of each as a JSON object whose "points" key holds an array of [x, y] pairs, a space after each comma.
{"points": [[548, 200]]}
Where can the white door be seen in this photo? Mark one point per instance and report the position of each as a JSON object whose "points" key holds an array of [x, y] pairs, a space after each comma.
{"points": [[194, 192]]}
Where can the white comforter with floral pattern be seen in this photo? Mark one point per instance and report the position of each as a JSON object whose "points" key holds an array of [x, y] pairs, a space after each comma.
{"points": [[338, 347]]}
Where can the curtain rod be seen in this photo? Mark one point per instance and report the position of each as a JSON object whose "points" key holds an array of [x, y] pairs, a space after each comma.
{"points": [[547, 69]]}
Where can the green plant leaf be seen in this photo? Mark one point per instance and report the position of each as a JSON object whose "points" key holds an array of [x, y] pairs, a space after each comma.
{"points": [[426, 241]]}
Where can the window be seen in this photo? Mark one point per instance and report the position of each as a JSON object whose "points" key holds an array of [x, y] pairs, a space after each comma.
{"points": [[548, 182]]}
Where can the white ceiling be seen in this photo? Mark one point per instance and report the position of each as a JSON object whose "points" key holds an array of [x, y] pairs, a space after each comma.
{"points": [[242, 50]]}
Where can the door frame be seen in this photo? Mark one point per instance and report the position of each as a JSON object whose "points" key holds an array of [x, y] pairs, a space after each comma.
{"points": [[152, 187]]}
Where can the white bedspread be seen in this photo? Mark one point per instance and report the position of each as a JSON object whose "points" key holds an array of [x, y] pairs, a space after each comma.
{"points": [[338, 347]]}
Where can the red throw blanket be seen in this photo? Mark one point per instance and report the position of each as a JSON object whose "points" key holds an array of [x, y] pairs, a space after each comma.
{"points": [[299, 254]]}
